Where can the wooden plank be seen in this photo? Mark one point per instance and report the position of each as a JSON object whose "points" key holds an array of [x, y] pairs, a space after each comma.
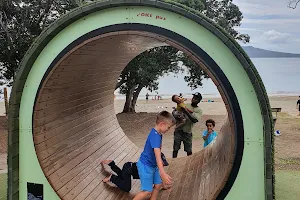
{"points": [[82, 75], [64, 135], [133, 157], [198, 174], [96, 173], [190, 179], [130, 151], [79, 177], [85, 162], [61, 158], [51, 130], [83, 71], [66, 98], [85, 152], [182, 181], [135, 183], [178, 177], [71, 102], [52, 154], [78, 110], [83, 79], [58, 93], [76, 125]]}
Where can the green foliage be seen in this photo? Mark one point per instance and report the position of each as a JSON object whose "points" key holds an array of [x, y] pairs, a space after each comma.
{"points": [[145, 69], [226, 14], [195, 72], [21, 21]]}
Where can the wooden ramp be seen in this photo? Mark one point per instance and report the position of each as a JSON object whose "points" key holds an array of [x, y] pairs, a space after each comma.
{"points": [[75, 127], [200, 176]]}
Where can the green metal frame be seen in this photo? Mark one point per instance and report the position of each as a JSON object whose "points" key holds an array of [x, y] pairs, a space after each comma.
{"points": [[20, 125]]}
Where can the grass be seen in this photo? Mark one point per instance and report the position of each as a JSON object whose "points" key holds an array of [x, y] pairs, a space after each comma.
{"points": [[286, 188], [287, 185], [289, 161], [3, 183]]}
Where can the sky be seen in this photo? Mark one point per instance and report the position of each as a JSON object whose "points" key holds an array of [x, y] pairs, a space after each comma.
{"points": [[271, 24]]}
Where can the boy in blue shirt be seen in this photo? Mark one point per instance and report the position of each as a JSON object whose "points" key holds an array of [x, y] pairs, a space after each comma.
{"points": [[150, 165], [209, 135]]}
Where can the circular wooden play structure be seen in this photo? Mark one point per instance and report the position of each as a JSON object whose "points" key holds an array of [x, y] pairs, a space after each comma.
{"points": [[62, 120]]}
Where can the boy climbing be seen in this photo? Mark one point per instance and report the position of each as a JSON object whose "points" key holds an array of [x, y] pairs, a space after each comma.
{"points": [[150, 165], [123, 178], [209, 135]]}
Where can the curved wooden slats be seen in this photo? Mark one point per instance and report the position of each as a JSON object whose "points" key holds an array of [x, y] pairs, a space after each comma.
{"points": [[75, 127]]}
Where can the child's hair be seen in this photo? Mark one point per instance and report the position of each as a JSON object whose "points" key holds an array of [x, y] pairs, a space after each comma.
{"points": [[173, 98], [164, 116], [210, 121]]}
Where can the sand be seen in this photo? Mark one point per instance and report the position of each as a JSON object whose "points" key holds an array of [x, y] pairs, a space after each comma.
{"points": [[287, 103], [2, 109], [287, 148], [136, 126]]}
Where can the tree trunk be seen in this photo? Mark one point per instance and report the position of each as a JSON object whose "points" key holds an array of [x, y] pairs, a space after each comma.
{"points": [[127, 105], [135, 97]]}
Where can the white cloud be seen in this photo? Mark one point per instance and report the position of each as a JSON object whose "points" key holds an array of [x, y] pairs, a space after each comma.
{"points": [[273, 36], [271, 24]]}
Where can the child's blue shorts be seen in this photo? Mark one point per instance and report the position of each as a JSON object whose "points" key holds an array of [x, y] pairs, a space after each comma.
{"points": [[149, 176]]}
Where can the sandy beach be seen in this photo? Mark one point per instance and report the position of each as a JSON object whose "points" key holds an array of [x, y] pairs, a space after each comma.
{"points": [[287, 148], [287, 103], [137, 125], [2, 109]]}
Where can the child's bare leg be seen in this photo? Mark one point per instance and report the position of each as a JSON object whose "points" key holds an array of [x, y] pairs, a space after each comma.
{"points": [[155, 191], [142, 195]]}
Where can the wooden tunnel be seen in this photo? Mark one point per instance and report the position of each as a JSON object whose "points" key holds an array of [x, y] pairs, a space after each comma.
{"points": [[62, 121], [75, 126]]}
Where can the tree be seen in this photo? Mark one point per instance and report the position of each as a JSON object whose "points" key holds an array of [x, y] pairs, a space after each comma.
{"points": [[21, 21], [144, 71], [223, 12], [293, 4]]}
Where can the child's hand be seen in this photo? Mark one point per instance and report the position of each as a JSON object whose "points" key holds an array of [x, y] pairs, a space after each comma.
{"points": [[166, 179], [182, 100]]}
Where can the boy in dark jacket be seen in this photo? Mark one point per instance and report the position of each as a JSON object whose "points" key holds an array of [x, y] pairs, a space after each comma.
{"points": [[123, 178]]}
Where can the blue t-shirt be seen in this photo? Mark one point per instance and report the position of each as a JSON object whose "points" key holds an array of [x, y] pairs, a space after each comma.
{"points": [[153, 141], [210, 138]]}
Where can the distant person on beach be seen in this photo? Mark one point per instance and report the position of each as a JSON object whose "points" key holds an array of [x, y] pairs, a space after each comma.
{"points": [[147, 97], [209, 135], [184, 133], [150, 165], [123, 178], [298, 106]]}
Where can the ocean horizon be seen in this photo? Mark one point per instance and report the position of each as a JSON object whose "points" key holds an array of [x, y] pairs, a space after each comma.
{"points": [[280, 76]]}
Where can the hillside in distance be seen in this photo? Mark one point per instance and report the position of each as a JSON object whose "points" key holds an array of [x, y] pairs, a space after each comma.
{"points": [[254, 52]]}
